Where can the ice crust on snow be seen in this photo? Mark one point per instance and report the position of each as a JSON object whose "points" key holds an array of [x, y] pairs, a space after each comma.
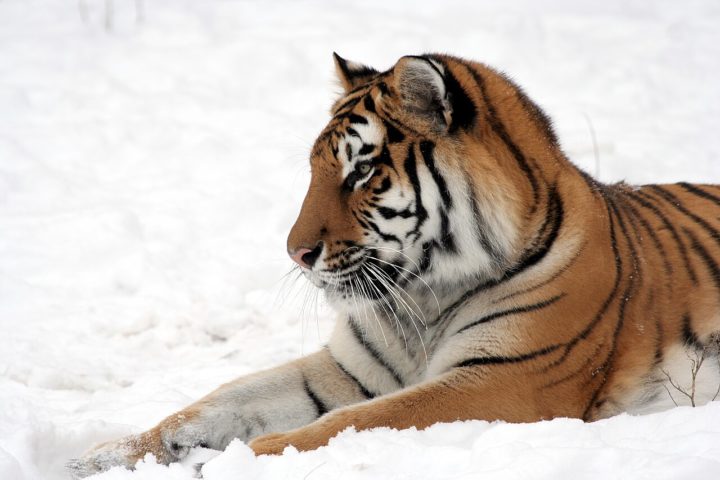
{"points": [[149, 176]]}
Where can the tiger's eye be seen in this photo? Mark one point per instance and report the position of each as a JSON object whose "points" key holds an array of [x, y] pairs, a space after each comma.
{"points": [[364, 168]]}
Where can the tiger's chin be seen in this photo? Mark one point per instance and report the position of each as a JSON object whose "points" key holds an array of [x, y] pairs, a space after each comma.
{"points": [[350, 299]]}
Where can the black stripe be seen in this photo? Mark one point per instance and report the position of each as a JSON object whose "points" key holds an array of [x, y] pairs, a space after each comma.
{"points": [[384, 186], [548, 281], [355, 71], [364, 391], [637, 269], [677, 204], [366, 149], [393, 134], [320, 407], [659, 337], [388, 118], [427, 254], [464, 111], [548, 234], [689, 337], [355, 118], [388, 237], [347, 104], [498, 360], [588, 361], [360, 220], [696, 190], [593, 184], [426, 149], [645, 201], [411, 171], [369, 103], [367, 214], [707, 259], [635, 214], [389, 213], [628, 293], [585, 333], [359, 337], [390, 270], [499, 128], [553, 223], [384, 158], [512, 311], [570, 345], [555, 218], [447, 239], [481, 227]]}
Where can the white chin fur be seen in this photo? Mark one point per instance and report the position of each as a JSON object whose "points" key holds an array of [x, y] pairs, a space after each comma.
{"points": [[348, 304]]}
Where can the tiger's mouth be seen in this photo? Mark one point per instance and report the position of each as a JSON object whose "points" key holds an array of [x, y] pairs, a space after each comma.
{"points": [[359, 276]]}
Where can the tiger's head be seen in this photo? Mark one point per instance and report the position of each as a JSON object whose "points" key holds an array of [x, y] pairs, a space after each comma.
{"points": [[412, 182]]}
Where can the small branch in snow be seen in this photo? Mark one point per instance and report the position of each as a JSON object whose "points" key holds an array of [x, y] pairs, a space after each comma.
{"points": [[698, 357]]}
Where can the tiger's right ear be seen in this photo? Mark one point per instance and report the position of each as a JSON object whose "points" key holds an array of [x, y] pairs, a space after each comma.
{"points": [[352, 74], [423, 92]]}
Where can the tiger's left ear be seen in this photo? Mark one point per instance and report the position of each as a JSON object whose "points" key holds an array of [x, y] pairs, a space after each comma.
{"points": [[423, 92], [352, 74]]}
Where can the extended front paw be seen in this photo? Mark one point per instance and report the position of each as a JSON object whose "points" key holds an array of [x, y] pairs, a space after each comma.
{"points": [[118, 453], [125, 453]]}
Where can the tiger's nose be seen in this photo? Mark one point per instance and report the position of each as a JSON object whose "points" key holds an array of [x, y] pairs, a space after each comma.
{"points": [[305, 257]]}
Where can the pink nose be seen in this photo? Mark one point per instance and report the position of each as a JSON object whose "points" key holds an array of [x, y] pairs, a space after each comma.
{"points": [[298, 255]]}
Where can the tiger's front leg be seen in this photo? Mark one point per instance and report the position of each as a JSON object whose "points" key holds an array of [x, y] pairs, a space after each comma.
{"points": [[276, 400], [460, 394]]}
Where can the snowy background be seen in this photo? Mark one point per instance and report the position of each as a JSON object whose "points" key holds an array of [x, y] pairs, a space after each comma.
{"points": [[150, 170]]}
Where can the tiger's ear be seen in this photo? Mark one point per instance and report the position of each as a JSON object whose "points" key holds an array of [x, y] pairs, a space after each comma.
{"points": [[420, 82], [352, 74]]}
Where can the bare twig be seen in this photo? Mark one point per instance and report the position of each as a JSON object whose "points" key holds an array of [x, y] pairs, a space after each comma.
{"points": [[697, 359]]}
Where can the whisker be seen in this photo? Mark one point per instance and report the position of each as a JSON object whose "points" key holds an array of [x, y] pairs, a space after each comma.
{"points": [[287, 284], [361, 299], [387, 302], [437, 302], [366, 293], [406, 307], [317, 319], [400, 297]]}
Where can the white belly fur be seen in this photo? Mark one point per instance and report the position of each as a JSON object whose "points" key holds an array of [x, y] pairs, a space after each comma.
{"points": [[677, 368]]}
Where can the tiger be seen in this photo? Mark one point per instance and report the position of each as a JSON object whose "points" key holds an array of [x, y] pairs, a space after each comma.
{"points": [[476, 272]]}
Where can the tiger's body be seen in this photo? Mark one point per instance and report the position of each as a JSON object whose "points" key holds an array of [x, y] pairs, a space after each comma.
{"points": [[477, 274]]}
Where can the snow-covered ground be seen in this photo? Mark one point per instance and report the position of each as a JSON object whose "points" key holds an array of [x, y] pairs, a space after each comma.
{"points": [[149, 175]]}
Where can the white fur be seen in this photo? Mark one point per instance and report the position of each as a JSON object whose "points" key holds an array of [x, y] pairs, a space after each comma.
{"points": [[660, 393]]}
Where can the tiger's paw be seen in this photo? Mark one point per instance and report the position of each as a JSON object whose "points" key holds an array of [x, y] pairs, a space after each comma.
{"points": [[126, 452], [119, 453]]}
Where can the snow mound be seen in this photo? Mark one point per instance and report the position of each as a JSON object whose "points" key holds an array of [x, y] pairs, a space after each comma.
{"points": [[682, 443]]}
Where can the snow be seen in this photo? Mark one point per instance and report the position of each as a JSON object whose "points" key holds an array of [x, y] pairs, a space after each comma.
{"points": [[149, 175]]}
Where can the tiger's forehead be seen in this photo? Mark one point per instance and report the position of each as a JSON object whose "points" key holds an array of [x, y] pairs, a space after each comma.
{"points": [[353, 127]]}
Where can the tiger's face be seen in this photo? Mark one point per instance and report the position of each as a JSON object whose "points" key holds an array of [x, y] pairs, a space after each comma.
{"points": [[389, 203]]}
